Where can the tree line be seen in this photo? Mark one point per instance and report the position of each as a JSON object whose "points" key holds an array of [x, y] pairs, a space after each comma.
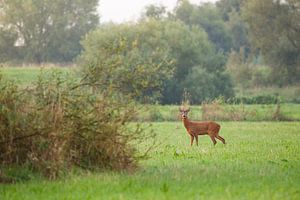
{"points": [[206, 49], [37, 31]]}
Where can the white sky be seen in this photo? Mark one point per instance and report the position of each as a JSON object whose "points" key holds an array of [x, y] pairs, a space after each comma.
{"points": [[127, 10]]}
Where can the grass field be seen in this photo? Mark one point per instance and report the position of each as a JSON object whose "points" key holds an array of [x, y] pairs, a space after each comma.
{"points": [[261, 160], [27, 75]]}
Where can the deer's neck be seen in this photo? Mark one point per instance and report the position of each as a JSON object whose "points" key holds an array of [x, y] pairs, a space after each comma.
{"points": [[186, 122]]}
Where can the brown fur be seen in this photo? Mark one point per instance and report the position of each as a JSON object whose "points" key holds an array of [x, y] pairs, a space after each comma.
{"points": [[201, 128]]}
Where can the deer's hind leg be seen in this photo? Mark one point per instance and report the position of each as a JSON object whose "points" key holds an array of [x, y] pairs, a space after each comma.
{"points": [[212, 137], [218, 136], [213, 133]]}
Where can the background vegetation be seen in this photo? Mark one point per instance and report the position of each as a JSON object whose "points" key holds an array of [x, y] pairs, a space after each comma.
{"points": [[44, 31], [238, 59], [222, 49]]}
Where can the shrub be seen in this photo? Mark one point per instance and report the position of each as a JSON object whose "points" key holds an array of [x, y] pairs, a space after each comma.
{"points": [[259, 99], [59, 123], [155, 115], [217, 110]]}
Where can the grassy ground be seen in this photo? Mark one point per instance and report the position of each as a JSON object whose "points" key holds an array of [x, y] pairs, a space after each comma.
{"points": [[27, 75], [260, 161]]}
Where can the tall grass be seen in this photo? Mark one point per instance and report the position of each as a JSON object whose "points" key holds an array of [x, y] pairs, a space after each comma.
{"points": [[223, 112]]}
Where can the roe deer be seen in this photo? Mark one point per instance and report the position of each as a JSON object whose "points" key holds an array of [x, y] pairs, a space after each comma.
{"points": [[200, 128]]}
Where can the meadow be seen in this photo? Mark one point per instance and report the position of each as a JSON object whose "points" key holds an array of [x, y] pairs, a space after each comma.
{"points": [[26, 75], [260, 161]]}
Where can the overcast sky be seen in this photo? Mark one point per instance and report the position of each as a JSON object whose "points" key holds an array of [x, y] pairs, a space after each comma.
{"points": [[126, 10]]}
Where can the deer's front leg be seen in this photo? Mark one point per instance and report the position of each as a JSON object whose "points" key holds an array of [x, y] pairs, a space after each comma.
{"points": [[196, 136], [192, 140]]}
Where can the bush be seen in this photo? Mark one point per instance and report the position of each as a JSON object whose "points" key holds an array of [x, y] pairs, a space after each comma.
{"points": [[217, 110], [259, 99], [59, 123]]}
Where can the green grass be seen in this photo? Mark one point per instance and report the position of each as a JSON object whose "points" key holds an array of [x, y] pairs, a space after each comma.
{"points": [[27, 75], [261, 160]]}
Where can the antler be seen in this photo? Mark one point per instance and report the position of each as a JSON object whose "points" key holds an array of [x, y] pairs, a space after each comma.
{"points": [[182, 108]]}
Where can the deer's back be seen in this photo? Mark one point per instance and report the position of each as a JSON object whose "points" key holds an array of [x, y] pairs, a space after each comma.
{"points": [[203, 127]]}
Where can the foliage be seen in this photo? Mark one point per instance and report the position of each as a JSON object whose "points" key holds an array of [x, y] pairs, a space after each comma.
{"points": [[212, 85], [245, 73], [259, 99], [192, 50], [28, 75], [208, 17], [46, 30], [238, 31], [138, 59], [7, 41], [154, 12], [217, 110], [133, 59], [274, 29], [235, 109], [230, 10], [59, 123], [226, 7]]}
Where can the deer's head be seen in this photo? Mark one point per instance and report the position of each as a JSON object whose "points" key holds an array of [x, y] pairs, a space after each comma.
{"points": [[183, 112]]}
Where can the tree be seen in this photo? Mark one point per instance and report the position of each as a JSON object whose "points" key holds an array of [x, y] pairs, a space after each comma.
{"points": [[275, 30], [188, 47], [131, 58], [149, 60], [230, 11], [227, 6], [191, 50], [48, 30], [205, 86], [184, 10], [208, 17], [155, 12], [238, 30], [7, 42]]}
